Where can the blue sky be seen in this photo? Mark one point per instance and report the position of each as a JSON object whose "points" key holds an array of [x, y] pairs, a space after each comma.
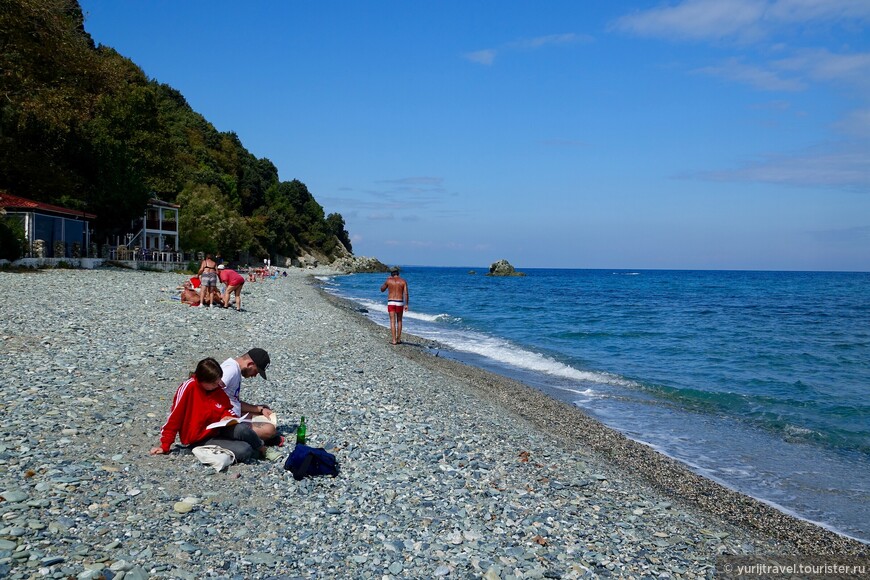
{"points": [[709, 134]]}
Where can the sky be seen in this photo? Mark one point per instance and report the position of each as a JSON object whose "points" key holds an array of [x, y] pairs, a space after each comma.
{"points": [[689, 134]]}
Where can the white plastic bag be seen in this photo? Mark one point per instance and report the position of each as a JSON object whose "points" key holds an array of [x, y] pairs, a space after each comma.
{"points": [[214, 455]]}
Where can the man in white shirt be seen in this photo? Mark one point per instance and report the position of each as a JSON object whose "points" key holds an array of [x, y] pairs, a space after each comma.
{"points": [[250, 364]]}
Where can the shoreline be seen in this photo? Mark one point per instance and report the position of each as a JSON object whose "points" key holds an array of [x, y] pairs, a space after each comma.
{"points": [[670, 476], [445, 470]]}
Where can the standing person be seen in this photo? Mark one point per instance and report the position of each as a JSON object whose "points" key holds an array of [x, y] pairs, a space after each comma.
{"points": [[199, 402], [208, 278], [397, 302], [234, 282], [250, 364]]}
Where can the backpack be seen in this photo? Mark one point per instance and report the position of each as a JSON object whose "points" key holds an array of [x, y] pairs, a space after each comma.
{"points": [[308, 461]]}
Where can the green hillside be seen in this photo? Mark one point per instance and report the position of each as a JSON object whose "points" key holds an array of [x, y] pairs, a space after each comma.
{"points": [[83, 127]]}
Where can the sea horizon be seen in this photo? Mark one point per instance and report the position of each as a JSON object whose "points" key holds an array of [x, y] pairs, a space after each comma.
{"points": [[615, 343], [485, 269]]}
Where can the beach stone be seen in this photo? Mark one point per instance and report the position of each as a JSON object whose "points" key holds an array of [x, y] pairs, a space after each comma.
{"points": [[13, 496], [7, 544], [182, 507]]}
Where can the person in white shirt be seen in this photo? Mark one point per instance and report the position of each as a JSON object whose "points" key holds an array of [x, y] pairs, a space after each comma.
{"points": [[250, 364]]}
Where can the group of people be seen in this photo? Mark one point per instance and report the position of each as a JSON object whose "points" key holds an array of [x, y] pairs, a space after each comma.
{"points": [[261, 274], [213, 394], [210, 273]]}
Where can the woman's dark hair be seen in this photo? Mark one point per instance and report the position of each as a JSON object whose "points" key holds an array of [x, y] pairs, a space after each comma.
{"points": [[208, 371]]}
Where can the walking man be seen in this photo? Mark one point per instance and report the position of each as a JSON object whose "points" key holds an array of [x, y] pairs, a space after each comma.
{"points": [[397, 302]]}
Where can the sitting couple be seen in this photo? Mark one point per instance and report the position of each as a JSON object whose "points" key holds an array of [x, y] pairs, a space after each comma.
{"points": [[211, 395]]}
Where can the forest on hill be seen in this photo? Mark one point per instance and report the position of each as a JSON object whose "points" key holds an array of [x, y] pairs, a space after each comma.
{"points": [[81, 126]]}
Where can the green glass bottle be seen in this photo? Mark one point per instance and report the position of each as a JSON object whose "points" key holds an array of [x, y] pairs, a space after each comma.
{"points": [[300, 431]]}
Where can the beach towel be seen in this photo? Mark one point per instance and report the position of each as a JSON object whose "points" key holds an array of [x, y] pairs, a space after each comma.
{"points": [[215, 456]]}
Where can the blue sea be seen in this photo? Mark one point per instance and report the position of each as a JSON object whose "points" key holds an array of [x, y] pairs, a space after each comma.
{"points": [[758, 380]]}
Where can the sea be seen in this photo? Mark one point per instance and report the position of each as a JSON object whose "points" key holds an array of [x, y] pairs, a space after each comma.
{"points": [[757, 380]]}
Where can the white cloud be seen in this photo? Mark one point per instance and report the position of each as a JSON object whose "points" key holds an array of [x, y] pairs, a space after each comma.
{"points": [[487, 56], [697, 20], [823, 65], [538, 42], [857, 124], [740, 20], [380, 216], [841, 166], [764, 79], [819, 10], [392, 198]]}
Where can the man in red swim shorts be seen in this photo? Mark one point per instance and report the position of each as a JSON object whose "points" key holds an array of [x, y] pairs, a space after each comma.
{"points": [[397, 302]]}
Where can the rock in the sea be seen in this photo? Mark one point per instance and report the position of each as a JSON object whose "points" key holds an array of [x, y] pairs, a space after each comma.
{"points": [[359, 264], [503, 268]]}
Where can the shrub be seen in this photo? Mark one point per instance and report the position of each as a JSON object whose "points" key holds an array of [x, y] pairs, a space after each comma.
{"points": [[11, 240]]}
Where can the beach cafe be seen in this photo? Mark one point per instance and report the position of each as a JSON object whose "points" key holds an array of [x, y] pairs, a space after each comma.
{"points": [[56, 234], [51, 231]]}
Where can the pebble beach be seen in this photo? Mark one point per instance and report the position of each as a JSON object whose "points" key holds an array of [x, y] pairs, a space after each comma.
{"points": [[446, 470]]}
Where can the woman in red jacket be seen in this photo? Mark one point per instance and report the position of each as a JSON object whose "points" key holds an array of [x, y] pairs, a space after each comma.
{"points": [[198, 402]]}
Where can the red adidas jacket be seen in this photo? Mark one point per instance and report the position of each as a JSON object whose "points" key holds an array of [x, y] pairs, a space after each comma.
{"points": [[192, 409]]}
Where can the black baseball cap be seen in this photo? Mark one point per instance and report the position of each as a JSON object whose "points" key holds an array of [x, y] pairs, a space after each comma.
{"points": [[261, 359]]}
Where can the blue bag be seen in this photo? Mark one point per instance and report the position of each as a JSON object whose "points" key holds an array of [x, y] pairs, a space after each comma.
{"points": [[308, 461]]}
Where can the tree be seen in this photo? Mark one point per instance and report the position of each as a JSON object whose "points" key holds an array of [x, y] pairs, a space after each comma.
{"points": [[12, 238], [83, 127], [336, 226]]}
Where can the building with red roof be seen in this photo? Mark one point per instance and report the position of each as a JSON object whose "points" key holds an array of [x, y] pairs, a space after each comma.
{"points": [[53, 225]]}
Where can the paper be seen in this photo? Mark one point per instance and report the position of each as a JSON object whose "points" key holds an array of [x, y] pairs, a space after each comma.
{"points": [[272, 418], [229, 421]]}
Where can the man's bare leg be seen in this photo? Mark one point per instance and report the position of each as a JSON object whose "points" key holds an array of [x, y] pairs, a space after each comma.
{"points": [[398, 327], [264, 430], [393, 326]]}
